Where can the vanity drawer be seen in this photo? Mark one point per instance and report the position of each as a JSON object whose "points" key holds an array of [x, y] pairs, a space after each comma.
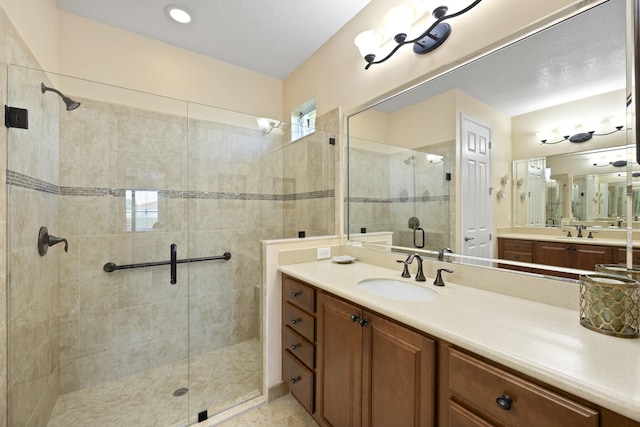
{"points": [[480, 385], [518, 245], [299, 294], [460, 417], [298, 346], [299, 321], [299, 379], [517, 256]]}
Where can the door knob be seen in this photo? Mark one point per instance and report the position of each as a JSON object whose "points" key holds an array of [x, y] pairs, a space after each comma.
{"points": [[466, 239]]}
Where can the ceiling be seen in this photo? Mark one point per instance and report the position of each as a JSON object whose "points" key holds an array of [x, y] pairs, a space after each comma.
{"points": [[577, 58], [271, 37]]}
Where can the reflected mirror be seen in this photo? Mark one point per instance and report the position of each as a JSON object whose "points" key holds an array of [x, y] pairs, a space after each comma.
{"points": [[564, 85]]}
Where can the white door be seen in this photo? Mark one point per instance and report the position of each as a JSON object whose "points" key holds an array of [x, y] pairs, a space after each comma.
{"points": [[536, 192], [477, 213]]}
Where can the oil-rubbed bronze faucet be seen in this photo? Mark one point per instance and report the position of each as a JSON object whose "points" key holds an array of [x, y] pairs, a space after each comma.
{"points": [[439, 281], [405, 271]]}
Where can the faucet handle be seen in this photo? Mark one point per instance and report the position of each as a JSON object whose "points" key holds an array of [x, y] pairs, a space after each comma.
{"points": [[405, 270], [439, 281]]}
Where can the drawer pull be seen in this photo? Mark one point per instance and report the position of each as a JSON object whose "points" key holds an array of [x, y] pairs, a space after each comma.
{"points": [[295, 380], [363, 322], [295, 294], [354, 317], [504, 402], [295, 346], [295, 321]]}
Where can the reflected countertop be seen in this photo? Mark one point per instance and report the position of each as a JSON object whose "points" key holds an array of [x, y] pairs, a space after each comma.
{"points": [[542, 341], [601, 235]]}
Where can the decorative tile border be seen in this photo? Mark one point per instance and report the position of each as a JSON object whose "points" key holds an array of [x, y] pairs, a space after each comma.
{"points": [[443, 198], [20, 180], [24, 181]]}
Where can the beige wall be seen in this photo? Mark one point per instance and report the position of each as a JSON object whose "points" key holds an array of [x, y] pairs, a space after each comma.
{"points": [[37, 23], [105, 54]]}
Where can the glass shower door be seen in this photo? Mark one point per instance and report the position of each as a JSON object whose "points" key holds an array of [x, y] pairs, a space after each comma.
{"points": [[88, 346]]}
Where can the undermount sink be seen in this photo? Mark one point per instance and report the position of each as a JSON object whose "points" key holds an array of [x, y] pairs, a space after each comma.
{"points": [[397, 290]]}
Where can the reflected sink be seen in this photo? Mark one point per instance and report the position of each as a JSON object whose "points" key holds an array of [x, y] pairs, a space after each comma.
{"points": [[397, 289]]}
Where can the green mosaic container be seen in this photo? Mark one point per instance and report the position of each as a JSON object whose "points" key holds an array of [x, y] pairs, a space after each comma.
{"points": [[619, 270], [609, 304]]}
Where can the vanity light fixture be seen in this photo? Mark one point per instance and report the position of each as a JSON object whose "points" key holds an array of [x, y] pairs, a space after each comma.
{"points": [[178, 13], [582, 136], [397, 23]]}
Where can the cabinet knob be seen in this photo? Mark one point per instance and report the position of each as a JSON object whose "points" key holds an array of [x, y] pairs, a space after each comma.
{"points": [[295, 321], [504, 402], [517, 257], [354, 317], [363, 322], [295, 294], [295, 380], [295, 346]]}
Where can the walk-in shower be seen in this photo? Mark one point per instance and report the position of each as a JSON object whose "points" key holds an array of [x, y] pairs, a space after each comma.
{"points": [[159, 190]]}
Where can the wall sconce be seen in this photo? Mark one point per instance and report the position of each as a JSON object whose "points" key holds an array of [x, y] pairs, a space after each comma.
{"points": [[501, 193], [616, 122], [434, 158], [397, 23], [505, 180], [267, 125]]}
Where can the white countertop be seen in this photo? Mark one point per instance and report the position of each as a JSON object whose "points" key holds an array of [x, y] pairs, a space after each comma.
{"points": [[542, 341]]}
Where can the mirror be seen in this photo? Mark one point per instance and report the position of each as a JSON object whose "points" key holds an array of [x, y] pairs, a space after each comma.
{"points": [[565, 80]]}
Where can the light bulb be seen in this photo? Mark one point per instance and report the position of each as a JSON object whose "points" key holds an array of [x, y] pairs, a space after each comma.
{"points": [[398, 20], [368, 42]]}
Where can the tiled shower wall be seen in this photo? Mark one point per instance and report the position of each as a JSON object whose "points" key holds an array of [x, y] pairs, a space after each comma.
{"points": [[386, 192], [117, 324], [30, 372]]}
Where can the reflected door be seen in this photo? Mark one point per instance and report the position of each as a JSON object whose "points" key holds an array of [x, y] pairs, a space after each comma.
{"points": [[475, 188]]}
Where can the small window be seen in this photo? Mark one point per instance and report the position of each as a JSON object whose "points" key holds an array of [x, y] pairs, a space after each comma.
{"points": [[303, 120], [141, 210]]}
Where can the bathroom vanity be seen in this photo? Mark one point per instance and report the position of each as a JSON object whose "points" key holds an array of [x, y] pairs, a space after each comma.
{"points": [[559, 251], [467, 358]]}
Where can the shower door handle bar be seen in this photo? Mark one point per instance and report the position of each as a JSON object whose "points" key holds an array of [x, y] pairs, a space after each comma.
{"points": [[174, 263], [111, 267]]}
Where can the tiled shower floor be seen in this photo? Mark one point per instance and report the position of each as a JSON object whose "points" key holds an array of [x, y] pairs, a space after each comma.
{"points": [[219, 379]]}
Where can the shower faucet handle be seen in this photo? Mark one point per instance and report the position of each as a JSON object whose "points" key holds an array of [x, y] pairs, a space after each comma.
{"points": [[45, 240]]}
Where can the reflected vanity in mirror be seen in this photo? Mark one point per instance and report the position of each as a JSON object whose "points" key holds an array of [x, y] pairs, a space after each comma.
{"points": [[564, 81]]}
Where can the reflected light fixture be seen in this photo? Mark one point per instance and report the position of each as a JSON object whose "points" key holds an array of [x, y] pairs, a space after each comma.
{"points": [[434, 158], [178, 13], [397, 23], [615, 123]]}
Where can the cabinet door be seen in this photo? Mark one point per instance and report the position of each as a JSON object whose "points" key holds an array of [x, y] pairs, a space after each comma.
{"points": [[398, 375], [585, 257], [338, 362], [552, 253]]}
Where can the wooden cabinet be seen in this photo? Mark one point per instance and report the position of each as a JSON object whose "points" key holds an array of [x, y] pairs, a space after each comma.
{"points": [[620, 255], [371, 371], [298, 332], [569, 254], [515, 250], [481, 394], [350, 367]]}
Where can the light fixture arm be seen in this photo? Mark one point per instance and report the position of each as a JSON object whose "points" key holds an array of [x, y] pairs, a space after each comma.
{"points": [[400, 38]]}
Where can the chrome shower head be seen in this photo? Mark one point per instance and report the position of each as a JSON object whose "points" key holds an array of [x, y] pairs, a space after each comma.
{"points": [[70, 103]]}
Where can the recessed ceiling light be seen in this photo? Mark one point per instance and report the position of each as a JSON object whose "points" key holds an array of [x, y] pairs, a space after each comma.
{"points": [[178, 13]]}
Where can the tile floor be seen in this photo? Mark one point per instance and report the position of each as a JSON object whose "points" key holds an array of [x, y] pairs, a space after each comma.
{"points": [[219, 380], [282, 412]]}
